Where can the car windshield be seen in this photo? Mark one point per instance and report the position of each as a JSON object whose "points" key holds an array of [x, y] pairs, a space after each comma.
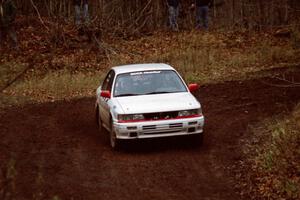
{"points": [[148, 82]]}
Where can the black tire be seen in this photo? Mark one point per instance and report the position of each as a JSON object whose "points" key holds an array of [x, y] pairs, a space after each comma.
{"points": [[96, 116], [98, 120], [113, 141]]}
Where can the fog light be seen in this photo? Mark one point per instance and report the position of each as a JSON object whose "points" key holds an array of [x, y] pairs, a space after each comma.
{"points": [[190, 130], [123, 134]]}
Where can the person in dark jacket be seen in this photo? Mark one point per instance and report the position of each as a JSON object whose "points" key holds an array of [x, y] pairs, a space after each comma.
{"points": [[78, 5], [202, 11], [7, 18], [173, 6]]}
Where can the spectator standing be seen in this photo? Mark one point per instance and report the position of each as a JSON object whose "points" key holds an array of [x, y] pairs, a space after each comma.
{"points": [[202, 11], [173, 6], [8, 12], [81, 12]]}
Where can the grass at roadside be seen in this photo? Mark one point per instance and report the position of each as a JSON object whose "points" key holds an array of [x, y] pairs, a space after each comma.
{"points": [[8, 71], [273, 159], [210, 58], [208, 62], [199, 57], [57, 85]]}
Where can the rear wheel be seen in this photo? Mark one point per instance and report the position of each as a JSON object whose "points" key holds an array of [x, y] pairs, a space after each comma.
{"points": [[98, 120]]}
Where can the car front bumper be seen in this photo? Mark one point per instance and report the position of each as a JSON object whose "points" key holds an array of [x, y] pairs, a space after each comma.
{"points": [[159, 128]]}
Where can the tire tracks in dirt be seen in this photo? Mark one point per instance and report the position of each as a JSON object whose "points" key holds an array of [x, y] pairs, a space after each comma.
{"points": [[59, 144]]}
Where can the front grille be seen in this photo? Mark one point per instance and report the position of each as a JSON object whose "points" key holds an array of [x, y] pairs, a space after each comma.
{"points": [[161, 115], [178, 125], [164, 132], [161, 129], [149, 127]]}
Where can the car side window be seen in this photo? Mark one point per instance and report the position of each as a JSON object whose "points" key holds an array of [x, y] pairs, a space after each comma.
{"points": [[108, 81]]}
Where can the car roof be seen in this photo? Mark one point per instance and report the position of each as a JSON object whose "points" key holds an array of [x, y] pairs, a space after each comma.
{"points": [[141, 67]]}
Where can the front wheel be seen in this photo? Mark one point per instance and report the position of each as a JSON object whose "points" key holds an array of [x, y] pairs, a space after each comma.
{"points": [[114, 141]]}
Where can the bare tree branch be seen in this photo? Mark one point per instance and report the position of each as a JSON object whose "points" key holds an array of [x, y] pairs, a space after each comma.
{"points": [[288, 81], [39, 15]]}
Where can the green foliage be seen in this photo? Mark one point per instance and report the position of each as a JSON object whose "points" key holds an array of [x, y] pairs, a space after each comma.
{"points": [[56, 198], [291, 189], [277, 163], [268, 160], [11, 169]]}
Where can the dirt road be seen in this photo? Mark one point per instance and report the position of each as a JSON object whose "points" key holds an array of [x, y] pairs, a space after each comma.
{"points": [[58, 151]]}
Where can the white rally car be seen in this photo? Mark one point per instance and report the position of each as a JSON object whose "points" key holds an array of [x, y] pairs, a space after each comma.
{"points": [[147, 101]]}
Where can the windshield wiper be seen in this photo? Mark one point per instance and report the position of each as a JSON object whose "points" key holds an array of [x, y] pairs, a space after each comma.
{"points": [[161, 92], [127, 94]]}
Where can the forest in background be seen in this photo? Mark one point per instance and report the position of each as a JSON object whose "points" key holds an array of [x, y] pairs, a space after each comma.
{"points": [[147, 15], [247, 39]]}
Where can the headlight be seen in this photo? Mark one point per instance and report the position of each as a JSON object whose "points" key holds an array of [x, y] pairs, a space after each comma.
{"points": [[186, 113], [131, 117]]}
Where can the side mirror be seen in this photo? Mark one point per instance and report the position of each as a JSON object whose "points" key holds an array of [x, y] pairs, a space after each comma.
{"points": [[105, 94], [193, 87]]}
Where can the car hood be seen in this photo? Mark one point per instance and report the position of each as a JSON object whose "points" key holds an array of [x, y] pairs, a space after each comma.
{"points": [[157, 103]]}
